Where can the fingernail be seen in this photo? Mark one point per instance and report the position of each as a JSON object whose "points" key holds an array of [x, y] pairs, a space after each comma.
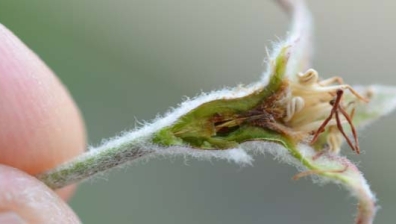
{"points": [[11, 218]]}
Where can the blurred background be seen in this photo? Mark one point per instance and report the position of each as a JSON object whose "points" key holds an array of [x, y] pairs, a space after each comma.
{"points": [[124, 60]]}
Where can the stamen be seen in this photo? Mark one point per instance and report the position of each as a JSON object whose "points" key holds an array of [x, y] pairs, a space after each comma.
{"points": [[329, 81], [341, 129], [349, 119], [351, 104], [335, 104], [340, 87], [337, 108], [310, 77], [334, 139]]}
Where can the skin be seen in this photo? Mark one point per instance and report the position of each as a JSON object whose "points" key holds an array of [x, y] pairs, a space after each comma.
{"points": [[41, 127]]}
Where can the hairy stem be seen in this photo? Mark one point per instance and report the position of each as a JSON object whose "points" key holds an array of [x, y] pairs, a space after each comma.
{"points": [[93, 162]]}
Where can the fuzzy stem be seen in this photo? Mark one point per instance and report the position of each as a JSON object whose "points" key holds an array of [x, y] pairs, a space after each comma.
{"points": [[93, 162]]}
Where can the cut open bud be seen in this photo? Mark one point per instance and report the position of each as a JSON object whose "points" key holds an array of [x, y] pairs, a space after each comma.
{"points": [[300, 107]]}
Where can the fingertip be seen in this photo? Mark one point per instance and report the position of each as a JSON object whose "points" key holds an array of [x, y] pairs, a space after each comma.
{"points": [[31, 200], [41, 125]]}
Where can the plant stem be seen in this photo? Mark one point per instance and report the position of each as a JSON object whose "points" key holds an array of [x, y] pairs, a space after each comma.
{"points": [[93, 162]]}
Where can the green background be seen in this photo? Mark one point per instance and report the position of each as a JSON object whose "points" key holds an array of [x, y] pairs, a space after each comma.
{"points": [[126, 61]]}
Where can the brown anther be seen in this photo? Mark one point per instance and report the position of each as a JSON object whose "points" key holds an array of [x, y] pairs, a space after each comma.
{"points": [[353, 129], [335, 111]]}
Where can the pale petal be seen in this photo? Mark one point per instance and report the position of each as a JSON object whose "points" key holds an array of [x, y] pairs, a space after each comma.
{"points": [[382, 102]]}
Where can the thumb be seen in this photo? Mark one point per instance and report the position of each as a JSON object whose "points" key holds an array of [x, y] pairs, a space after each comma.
{"points": [[24, 199]]}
